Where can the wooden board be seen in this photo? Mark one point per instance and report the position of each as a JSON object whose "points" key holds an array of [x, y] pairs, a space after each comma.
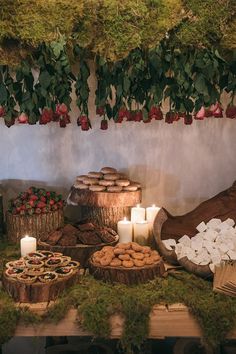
{"points": [[38, 292], [104, 199], [128, 276], [35, 225], [80, 252]]}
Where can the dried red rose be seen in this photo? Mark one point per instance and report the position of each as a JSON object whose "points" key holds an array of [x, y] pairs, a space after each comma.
{"points": [[100, 111], [23, 118], [231, 111], [155, 113], [200, 115], [104, 124]]}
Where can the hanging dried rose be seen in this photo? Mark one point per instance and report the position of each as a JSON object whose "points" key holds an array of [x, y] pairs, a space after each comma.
{"points": [[200, 115], [155, 113], [231, 111], [217, 110], [100, 111], [104, 124], [2, 111], [23, 118], [188, 119]]}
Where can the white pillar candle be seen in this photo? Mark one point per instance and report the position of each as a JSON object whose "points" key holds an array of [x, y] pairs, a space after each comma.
{"points": [[141, 232], [151, 213], [27, 245], [125, 230], [137, 214]]}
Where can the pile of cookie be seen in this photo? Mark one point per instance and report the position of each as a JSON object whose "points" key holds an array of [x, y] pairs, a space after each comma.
{"points": [[126, 255], [86, 233], [107, 180], [41, 266]]}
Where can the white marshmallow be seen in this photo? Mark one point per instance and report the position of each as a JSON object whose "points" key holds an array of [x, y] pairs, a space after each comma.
{"points": [[185, 240], [201, 227], [232, 255]]}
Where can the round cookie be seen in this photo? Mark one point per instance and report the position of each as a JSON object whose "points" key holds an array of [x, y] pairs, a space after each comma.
{"points": [[116, 262], [124, 257], [130, 188], [106, 183], [81, 178], [124, 246], [118, 251], [95, 174], [139, 262], [90, 181], [106, 170], [128, 264], [81, 186], [122, 182], [114, 189], [97, 188], [137, 255], [105, 261], [111, 176]]}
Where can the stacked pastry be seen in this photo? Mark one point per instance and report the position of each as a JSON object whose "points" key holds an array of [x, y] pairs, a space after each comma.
{"points": [[41, 266], [107, 180]]}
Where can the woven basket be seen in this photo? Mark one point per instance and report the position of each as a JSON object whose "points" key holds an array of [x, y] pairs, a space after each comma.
{"points": [[170, 256], [35, 225]]}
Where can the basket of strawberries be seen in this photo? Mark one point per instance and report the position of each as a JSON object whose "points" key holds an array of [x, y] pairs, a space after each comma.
{"points": [[34, 212]]}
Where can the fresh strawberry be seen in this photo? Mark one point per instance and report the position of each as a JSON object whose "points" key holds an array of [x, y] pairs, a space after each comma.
{"points": [[23, 207], [231, 111], [2, 111], [23, 118], [43, 199], [34, 197], [48, 194], [40, 205], [100, 111], [51, 202], [38, 211], [155, 113], [104, 124]]}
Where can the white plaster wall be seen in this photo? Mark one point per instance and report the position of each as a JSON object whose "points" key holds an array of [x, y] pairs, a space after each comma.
{"points": [[178, 165]]}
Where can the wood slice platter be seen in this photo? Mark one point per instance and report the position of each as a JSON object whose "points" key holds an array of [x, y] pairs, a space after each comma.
{"points": [[104, 199], [35, 225], [80, 252], [128, 276], [38, 292]]}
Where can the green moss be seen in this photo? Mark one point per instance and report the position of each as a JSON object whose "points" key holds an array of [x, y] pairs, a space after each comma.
{"points": [[9, 316]]}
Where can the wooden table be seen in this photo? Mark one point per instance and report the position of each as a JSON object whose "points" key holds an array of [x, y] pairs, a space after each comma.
{"points": [[165, 321]]}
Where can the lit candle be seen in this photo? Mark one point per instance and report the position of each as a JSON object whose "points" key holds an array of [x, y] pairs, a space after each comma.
{"points": [[141, 232], [151, 213], [27, 245], [125, 230], [137, 214]]}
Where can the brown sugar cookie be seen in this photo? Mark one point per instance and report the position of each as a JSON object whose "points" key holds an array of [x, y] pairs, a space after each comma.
{"points": [[149, 260], [136, 247], [124, 246], [130, 188], [97, 188], [122, 182], [98, 254], [128, 264], [116, 262], [146, 249], [95, 174], [124, 257], [114, 189], [139, 262], [111, 176], [106, 170], [105, 183], [118, 251], [138, 255], [80, 185], [129, 252], [105, 260], [107, 248]]}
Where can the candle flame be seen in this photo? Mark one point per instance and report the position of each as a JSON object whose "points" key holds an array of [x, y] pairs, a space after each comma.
{"points": [[138, 205], [125, 218], [153, 205]]}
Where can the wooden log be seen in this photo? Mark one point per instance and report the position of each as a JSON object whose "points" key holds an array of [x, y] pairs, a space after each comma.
{"points": [[128, 276], [104, 199], [38, 292], [80, 252], [104, 208], [35, 225]]}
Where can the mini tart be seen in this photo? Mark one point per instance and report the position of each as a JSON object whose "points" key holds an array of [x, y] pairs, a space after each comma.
{"points": [[57, 254], [54, 262], [64, 271], [47, 254], [34, 263], [13, 272], [73, 264], [33, 255], [26, 278], [65, 260], [19, 264], [35, 271], [48, 277]]}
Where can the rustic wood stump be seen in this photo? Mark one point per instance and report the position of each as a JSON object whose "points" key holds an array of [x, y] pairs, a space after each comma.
{"points": [[35, 225], [104, 208], [80, 252], [128, 276], [38, 292]]}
